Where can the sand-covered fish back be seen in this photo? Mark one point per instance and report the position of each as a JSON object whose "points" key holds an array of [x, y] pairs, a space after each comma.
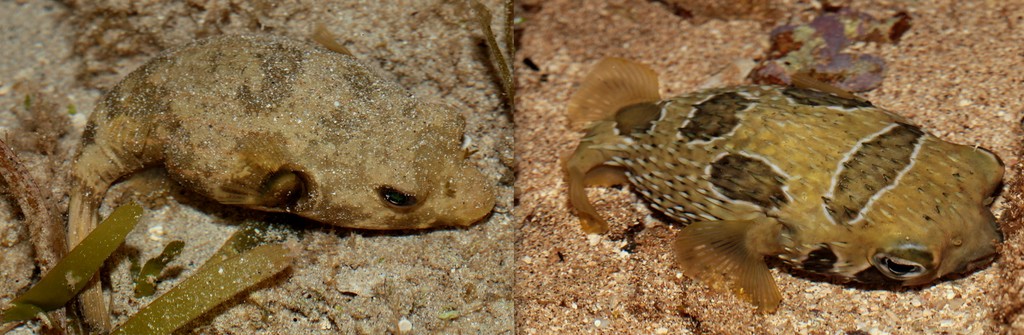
{"points": [[279, 125]]}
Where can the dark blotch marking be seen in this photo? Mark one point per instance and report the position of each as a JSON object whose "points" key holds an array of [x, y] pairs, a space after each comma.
{"points": [[277, 65], [870, 169], [811, 97], [744, 178], [89, 135], [820, 260], [714, 117], [637, 118], [361, 88], [136, 97]]}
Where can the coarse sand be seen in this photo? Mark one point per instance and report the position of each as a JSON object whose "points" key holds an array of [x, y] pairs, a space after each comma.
{"points": [[956, 73], [343, 281]]}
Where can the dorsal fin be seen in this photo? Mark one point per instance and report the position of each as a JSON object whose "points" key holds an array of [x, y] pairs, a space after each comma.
{"points": [[614, 83], [324, 37]]}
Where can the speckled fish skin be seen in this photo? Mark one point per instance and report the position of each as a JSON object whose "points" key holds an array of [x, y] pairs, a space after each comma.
{"points": [[278, 125], [238, 118], [831, 185]]}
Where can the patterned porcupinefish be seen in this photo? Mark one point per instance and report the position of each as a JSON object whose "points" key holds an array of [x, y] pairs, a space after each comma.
{"points": [[824, 180], [279, 125]]}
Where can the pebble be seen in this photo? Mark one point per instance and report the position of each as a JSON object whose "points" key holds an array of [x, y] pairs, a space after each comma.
{"points": [[404, 326], [916, 302], [156, 233]]}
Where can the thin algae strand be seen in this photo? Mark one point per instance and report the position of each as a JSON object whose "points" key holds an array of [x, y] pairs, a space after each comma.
{"points": [[208, 287], [71, 274]]}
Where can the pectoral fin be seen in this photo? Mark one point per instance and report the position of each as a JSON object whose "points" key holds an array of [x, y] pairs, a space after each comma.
{"points": [[735, 250], [281, 190]]}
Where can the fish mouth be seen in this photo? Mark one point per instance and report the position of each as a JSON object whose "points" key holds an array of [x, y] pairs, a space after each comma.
{"points": [[470, 211], [977, 264], [468, 198], [872, 275], [919, 281]]}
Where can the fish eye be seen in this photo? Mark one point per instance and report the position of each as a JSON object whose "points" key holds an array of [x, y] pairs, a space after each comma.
{"points": [[396, 198], [897, 268]]}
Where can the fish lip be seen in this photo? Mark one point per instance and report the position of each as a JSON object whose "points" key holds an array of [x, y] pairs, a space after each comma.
{"points": [[873, 276], [999, 160], [473, 213], [921, 280], [980, 262], [969, 267], [468, 223]]}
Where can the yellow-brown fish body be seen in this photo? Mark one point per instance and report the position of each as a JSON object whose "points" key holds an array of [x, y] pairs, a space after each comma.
{"points": [[830, 184], [279, 125]]}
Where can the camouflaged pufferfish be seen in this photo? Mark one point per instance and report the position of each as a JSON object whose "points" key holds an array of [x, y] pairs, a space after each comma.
{"points": [[829, 184], [278, 125]]}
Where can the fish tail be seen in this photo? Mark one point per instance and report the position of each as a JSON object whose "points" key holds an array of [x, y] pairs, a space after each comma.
{"points": [[577, 166]]}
